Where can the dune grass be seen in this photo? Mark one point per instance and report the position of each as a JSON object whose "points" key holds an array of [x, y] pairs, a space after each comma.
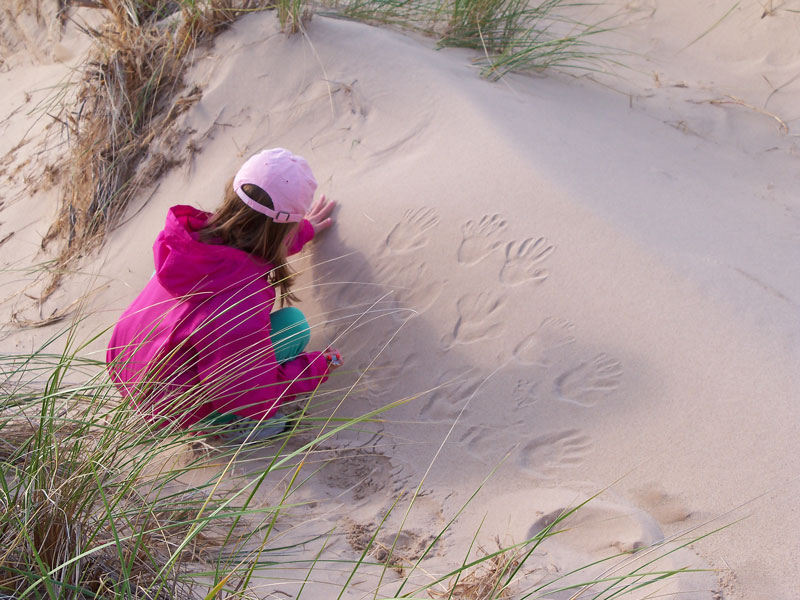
{"points": [[510, 35], [98, 503], [120, 115]]}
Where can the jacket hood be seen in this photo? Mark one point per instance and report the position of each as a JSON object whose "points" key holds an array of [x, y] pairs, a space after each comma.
{"points": [[185, 265]]}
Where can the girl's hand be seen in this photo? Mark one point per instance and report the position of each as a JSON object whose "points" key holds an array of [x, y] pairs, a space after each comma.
{"points": [[319, 215], [334, 358]]}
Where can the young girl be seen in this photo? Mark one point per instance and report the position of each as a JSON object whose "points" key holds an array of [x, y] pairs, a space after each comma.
{"points": [[200, 345]]}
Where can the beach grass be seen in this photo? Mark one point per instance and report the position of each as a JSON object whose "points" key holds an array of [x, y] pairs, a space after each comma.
{"points": [[119, 115], [509, 35], [100, 503]]}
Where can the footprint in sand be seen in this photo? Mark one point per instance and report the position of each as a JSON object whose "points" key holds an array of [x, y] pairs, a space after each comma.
{"points": [[524, 393], [350, 99], [454, 388], [587, 383], [640, 10], [401, 549], [410, 233], [478, 238], [664, 507], [410, 282], [599, 527], [396, 550], [359, 471], [476, 320], [544, 455], [523, 261], [553, 333]]}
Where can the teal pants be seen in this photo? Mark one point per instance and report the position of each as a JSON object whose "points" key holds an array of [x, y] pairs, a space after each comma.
{"points": [[290, 334]]}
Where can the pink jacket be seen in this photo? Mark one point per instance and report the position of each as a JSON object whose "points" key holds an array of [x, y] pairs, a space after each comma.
{"points": [[197, 339]]}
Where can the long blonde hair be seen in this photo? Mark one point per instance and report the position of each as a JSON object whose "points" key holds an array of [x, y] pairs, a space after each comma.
{"points": [[236, 224]]}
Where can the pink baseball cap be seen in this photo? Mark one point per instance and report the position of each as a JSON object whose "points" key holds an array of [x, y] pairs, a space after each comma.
{"points": [[287, 179]]}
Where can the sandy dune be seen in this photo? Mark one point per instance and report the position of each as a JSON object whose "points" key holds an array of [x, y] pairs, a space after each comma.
{"points": [[592, 284]]}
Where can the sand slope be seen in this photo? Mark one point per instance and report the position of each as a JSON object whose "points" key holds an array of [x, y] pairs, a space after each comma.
{"points": [[567, 276]]}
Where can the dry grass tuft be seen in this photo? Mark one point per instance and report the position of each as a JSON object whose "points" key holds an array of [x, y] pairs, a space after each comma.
{"points": [[121, 122], [77, 489], [486, 580], [18, 431]]}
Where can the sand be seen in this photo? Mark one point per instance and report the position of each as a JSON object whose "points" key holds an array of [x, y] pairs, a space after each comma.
{"points": [[589, 284]]}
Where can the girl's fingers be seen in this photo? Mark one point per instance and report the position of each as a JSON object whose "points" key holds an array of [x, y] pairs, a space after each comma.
{"points": [[318, 204], [319, 215], [322, 225], [321, 208], [326, 209]]}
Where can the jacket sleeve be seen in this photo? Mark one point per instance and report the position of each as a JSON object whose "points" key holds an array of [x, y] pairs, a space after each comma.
{"points": [[304, 234], [237, 367]]}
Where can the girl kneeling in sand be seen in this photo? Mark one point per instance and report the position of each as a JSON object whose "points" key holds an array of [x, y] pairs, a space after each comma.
{"points": [[200, 345]]}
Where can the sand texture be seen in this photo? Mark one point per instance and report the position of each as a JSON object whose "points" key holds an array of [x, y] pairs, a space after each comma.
{"points": [[583, 282]]}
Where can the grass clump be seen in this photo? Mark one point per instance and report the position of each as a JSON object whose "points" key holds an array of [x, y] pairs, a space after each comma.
{"points": [[120, 118], [83, 517], [97, 503], [511, 35], [486, 579]]}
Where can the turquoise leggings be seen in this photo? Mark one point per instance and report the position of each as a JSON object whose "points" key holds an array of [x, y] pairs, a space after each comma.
{"points": [[290, 334]]}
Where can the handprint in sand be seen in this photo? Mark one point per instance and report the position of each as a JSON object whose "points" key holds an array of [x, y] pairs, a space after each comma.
{"points": [[525, 393], [546, 454], [491, 444], [454, 391], [587, 383], [551, 334], [382, 372], [410, 233], [477, 320], [409, 281], [479, 239], [523, 261]]}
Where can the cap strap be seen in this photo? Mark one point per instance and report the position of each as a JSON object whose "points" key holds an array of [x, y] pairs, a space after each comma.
{"points": [[280, 216]]}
